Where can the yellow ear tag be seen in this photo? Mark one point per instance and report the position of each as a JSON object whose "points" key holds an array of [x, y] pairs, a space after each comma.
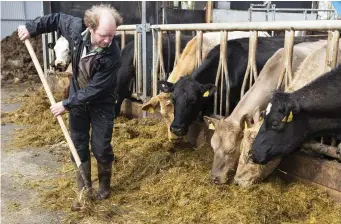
{"points": [[289, 119], [284, 119], [245, 125], [150, 110], [206, 93], [211, 126], [291, 116]]}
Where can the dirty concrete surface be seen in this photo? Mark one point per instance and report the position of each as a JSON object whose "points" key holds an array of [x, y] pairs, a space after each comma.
{"points": [[19, 167]]}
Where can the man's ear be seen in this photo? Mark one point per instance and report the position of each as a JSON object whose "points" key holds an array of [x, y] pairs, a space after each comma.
{"points": [[208, 89], [211, 122], [166, 87], [151, 105]]}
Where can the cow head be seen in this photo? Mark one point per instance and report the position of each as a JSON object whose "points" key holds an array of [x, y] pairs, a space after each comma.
{"points": [[163, 100], [279, 140], [225, 143], [281, 108], [249, 173], [62, 53], [188, 96]]}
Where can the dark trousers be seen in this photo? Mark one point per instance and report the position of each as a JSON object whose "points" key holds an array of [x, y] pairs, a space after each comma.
{"points": [[101, 119]]}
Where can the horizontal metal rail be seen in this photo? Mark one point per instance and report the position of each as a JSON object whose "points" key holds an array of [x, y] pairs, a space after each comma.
{"points": [[292, 10], [322, 25], [126, 28]]}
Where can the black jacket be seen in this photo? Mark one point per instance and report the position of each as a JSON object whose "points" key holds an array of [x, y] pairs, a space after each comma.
{"points": [[102, 82]]}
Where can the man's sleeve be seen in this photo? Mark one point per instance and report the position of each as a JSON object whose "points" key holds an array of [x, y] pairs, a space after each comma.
{"points": [[66, 25], [101, 82]]}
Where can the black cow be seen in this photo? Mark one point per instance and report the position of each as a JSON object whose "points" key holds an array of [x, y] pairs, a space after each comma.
{"points": [[188, 91], [291, 118], [126, 72]]}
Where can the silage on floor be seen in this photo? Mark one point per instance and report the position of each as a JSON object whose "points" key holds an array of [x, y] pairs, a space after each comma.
{"points": [[151, 184]]}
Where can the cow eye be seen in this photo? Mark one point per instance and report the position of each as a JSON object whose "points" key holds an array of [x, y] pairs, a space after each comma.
{"points": [[275, 124]]}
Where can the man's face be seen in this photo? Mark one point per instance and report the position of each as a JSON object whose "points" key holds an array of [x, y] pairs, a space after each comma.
{"points": [[104, 33]]}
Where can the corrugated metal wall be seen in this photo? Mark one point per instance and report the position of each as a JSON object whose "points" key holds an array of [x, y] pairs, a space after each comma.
{"points": [[15, 13]]}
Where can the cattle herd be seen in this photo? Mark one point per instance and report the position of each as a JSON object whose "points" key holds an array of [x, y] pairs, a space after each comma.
{"points": [[266, 123]]}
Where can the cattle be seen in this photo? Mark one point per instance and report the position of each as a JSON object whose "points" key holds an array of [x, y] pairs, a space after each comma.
{"points": [[187, 92], [62, 53], [126, 72], [185, 66], [291, 118], [248, 172], [228, 131]]}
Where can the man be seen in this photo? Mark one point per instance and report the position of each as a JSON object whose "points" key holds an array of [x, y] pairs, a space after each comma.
{"points": [[91, 101]]}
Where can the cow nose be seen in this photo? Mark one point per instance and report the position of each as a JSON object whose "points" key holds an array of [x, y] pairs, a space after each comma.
{"points": [[215, 180], [177, 131]]}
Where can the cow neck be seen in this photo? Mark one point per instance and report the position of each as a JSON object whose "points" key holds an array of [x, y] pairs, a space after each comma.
{"points": [[318, 125]]}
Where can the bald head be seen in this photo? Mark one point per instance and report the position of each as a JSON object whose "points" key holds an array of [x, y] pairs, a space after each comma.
{"points": [[102, 22]]}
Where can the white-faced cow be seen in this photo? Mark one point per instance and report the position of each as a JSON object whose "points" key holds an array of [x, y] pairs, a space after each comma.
{"points": [[292, 118], [229, 131], [188, 93], [249, 172], [185, 66]]}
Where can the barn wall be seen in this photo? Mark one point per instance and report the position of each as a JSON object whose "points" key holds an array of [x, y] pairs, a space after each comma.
{"points": [[17, 13]]}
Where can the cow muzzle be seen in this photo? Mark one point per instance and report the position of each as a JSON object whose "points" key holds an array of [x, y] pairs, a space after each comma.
{"points": [[178, 131]]}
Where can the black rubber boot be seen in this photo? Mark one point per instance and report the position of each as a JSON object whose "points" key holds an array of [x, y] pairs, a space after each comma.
{"points": [[104, 176], [76, 206]]}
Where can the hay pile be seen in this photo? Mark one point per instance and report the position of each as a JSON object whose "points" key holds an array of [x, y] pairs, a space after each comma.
{"points": [[16, 63], [153, 185], [43, 129]]}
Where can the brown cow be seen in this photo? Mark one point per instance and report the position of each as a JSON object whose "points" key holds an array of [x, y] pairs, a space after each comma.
{"points": [[229, 131], [248, 172]]}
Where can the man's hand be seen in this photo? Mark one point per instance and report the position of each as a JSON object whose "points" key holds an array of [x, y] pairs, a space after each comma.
{"points": [[23, 33], [58, 109]]}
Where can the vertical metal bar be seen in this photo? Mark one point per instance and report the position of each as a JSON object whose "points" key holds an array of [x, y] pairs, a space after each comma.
{"points": [[154, 78], [273, 18], [135, 63], [50, 51], [144, 51], [123, 39], [327, 66], [250, 13], [226, 73], [160, 56], [43, 39], [305, 14], [140, 62], [177, 46], [334, 48], [199, 48]]}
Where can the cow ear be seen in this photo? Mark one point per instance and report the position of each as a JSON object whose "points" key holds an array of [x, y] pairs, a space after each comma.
{"points": [[51, 45], [151, 105], [293, 106], [256, 115], [208, 90], [166, 87], [211, 122], [245, 122]]}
